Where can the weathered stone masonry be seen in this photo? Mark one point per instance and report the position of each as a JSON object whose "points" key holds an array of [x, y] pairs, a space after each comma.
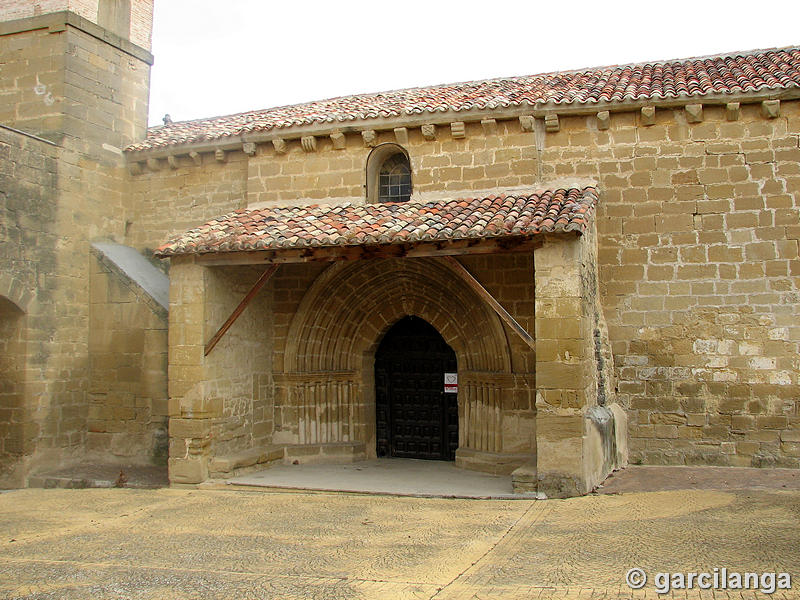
{"points": [[697, 256]]}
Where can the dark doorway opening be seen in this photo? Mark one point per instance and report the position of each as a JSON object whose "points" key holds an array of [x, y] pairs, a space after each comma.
{"points": [[415, 417]]}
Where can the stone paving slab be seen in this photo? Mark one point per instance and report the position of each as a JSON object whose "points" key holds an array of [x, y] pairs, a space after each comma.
{"points": [[399, 477], [180, 543]]}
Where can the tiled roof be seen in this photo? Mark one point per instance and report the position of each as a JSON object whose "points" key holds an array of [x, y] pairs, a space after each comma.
{"points": [[721, 74], [389, 223]]}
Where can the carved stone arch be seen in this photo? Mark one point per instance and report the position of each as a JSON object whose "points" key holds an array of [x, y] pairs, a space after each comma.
{"points": [[15, 415], [327, 388], [13, 291], [348, 308]]}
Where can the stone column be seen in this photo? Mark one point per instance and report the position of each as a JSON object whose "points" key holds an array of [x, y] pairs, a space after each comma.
{"points": [[564, 356], [190, 411]]}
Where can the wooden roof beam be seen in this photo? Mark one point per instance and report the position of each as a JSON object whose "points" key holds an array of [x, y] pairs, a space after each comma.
{"points": [[265, 276], [473, 283]]}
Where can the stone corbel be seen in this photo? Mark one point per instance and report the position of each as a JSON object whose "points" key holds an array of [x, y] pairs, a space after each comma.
{"points": [[648, 116], [551, 123], [196, 158], [135, 168], [428, 132], [153, 164], [694, 113], [308, 143], [401, 135], [219, 155], [280, 145], [458, 130], [733, 111], [603, 120], [489, 126], [370, 138], [249, 148], [338, 140], [526, 122], [771, 109]]}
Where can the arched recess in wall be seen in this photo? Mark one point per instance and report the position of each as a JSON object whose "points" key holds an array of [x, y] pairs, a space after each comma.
{"points": [[351, 305], [12, 397], [397, 162], [326, 392]]}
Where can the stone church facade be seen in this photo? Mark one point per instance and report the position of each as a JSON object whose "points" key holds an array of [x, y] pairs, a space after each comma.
{"points": [[604, 262]]}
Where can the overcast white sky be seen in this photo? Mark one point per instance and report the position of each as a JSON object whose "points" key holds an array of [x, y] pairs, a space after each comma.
{"points": [[221, 57]]}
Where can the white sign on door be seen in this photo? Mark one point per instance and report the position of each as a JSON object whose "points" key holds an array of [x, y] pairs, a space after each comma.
{"points": [[451, 383]]}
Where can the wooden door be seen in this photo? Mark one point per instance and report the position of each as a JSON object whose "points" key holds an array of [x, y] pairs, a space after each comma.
{"points": [[415, 417]]}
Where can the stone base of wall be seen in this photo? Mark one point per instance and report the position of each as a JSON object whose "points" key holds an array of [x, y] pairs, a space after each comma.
{"points": [[490, 462], [317, 454], [245, 461]]}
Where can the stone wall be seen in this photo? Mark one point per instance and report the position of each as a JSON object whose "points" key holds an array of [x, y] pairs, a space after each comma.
{"points": [[28, 241], [238, 372], [63, 79], [164, 201], [127, 404], [697, 229], [698, 235], [219, 404]]}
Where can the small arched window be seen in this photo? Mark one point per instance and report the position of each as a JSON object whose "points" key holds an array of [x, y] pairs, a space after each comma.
{"points": [[388, 174], [394, 179]]}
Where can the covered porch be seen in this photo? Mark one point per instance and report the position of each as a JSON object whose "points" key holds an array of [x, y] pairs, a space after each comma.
{"points": [[279, 318]]}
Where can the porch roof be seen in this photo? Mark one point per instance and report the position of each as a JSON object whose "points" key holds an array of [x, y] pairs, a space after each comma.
{"points": [[517, 215]]}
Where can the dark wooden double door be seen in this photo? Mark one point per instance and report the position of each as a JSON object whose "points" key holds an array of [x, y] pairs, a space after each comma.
{"points": [[415, 417]]}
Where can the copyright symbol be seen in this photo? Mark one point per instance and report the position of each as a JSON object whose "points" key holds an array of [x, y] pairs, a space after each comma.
{"points": [[636, 578]]}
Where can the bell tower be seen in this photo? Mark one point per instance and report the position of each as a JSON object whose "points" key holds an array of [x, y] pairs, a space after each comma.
{"points": [[76, 72]]}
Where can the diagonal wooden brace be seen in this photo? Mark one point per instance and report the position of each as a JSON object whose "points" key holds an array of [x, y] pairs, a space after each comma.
{"points": [[484, 293], [240, 309]]}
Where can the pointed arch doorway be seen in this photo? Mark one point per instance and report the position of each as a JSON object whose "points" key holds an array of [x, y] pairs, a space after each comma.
{"points": [[415, 418]]}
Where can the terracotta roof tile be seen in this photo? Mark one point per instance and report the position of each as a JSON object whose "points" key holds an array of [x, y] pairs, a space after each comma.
{"points": [[721, 74], [390, 223]]}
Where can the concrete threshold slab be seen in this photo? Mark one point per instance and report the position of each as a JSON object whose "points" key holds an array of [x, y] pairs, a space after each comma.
{"points": [[386, 476]]}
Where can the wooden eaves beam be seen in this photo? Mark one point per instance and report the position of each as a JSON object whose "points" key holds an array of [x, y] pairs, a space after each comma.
{"points": [[269, 272], [484, 293], [363, 252]]}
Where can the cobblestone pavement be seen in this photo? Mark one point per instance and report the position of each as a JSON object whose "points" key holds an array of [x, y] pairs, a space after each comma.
{"points": [[174, 543]]}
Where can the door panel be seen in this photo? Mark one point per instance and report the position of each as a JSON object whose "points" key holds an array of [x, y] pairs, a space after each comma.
{"points": [[415, 418]]}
